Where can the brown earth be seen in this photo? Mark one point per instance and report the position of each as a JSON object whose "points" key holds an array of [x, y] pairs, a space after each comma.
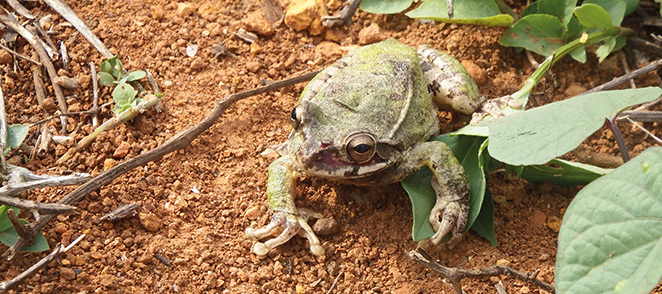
{"points": [[198, 201]]}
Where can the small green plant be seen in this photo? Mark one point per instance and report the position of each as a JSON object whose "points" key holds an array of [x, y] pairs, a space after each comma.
{"points": [[113, 74], [8, 235]]}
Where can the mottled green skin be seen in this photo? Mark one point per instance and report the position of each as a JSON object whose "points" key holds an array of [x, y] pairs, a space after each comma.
{"points": [[379, 90]]}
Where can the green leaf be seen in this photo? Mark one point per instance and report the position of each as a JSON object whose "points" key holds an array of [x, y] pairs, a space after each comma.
{"points": [[478, 12], [384, 6], [603, 51], [660, 1], [611, 238], [561, 9], [562, 173], [539, 33], [573, 29], [9, 237], [538, 135], [484, 225], [106, 79], [135, 75], [579, 54], [112, 66], [466, 150], [593, 16], [123, 95], [615, 8], [15, 135], [631, 6], [4, 219]]}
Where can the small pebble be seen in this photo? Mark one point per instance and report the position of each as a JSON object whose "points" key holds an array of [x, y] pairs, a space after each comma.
{"points": [[503, 262], [121, 150], [67, 273], [554, 224], [325, 226], [253, 213], [185, 9], [538, 218], [371, 34], [150, 222]]}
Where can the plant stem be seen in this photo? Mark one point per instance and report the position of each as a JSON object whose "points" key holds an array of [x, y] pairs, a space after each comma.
{"points": [[564, 50]]}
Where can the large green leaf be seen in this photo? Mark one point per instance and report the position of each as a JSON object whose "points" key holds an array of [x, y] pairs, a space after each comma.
{"points": [[562, 173], [484, 224], [560, 8], [611, 238], [478, 12], [466, 149], [538, 135], [384, 6], [540, 33]]}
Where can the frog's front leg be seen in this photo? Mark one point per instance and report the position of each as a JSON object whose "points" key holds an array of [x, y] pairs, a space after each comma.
{"points": [[449, 181], [284, 213]]}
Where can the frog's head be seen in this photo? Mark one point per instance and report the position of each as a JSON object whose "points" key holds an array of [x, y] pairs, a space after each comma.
{"points": [[328, 147]]}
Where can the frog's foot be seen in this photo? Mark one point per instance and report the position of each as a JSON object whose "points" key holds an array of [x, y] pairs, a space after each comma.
{"points": [[293, 224], [449, 216], [494, 106]]}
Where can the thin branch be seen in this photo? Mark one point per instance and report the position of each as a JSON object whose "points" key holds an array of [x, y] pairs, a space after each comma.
{"points": [[178, 141], [335, 282], [45, 59], [624, 78], [20, 9], [457, 274], [45, 208], [641, 115], [645, 130], [95, 95], [343, 17], [59, 250], [89, 111], [619, 139], [152, 82], [626, 68], [22, 179], [3, 133], [68, 14], [19, 55]]}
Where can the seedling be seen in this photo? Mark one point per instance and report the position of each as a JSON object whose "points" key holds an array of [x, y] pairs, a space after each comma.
{"points": [[113, 74]]}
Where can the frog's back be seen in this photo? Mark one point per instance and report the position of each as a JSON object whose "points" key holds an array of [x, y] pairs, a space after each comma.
{"points": [[378, 88]]}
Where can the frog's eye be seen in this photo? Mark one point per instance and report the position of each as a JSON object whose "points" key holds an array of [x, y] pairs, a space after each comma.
{"points": [[294, 118], [360, 147]]}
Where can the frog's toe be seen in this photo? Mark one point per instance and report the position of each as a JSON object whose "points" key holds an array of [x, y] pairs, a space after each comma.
{"points": [[293, 224], [447, 217]]}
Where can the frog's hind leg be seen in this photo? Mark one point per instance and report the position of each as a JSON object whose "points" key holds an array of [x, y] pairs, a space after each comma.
{"points": [[280, 194]]}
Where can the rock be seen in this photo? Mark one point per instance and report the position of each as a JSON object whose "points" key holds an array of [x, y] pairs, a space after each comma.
{"points": [[185, 9], [150, 222], [108, 163], [157, 12], [209, 11], [306, 14], [122, 150], [253, 212], [538, 218], [475, 71], [503, 262], [5, 57], [499, 199], [371, 34], [253, 66], [255, 48], [554, 224], [334, 35], [325, 226], [60, 228], [49, 105], [574, 90], [67, 273], [66, 82], [329, 50], [258, 23]]}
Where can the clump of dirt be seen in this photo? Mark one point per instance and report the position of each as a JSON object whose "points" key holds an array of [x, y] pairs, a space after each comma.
{"points": [[196, 203]]}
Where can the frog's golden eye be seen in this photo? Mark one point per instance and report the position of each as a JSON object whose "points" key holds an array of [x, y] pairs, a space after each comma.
{"points": [[360, 147]]}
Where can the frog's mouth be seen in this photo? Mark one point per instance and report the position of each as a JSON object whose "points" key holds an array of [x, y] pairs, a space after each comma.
{"points": [[326, 164]]}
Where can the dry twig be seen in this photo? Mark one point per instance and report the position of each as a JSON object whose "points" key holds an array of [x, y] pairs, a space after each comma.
{"points": [[624, 78], [177, 142], [59, 250], [19, 55], [3, 134], [455, 275], [94, 111]]}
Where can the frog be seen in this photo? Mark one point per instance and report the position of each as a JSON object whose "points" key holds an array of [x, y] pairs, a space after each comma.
{"points": [[366, 121]]}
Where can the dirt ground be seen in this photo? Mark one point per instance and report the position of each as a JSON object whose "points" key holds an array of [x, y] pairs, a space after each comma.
{"points": [[196, 203]]}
